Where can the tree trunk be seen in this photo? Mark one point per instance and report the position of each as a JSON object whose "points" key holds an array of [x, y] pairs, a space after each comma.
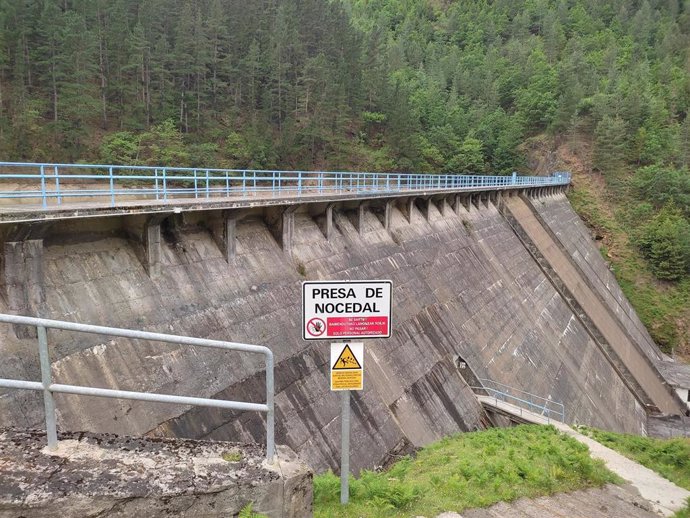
{"points": [[101, 64], [55, 92]]}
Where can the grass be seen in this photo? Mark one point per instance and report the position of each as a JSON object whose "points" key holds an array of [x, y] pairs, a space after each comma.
{"points": [[683, 513], [464, 471], [668, 457]]}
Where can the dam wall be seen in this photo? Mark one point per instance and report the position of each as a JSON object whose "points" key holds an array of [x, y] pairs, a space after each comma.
{"points": [[576, 239], [465, 290]]}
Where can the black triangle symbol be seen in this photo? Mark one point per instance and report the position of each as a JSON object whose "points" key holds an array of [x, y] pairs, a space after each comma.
{"points": [[346, 360]]}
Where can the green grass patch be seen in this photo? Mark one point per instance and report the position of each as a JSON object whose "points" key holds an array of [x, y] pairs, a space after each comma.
{"points": [[683, 513], [232, 456], [668, 457], [464, 471]]}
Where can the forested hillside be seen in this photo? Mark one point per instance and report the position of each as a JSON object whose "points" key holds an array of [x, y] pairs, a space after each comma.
{"points": [[411, 85]]}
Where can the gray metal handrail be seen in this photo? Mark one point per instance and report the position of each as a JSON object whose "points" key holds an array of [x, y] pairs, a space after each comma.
{"points": [[533, 404], [48, 387], [55, 183]]}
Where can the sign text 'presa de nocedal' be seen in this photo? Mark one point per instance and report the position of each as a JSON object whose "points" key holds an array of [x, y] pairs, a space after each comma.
{"points": [[354, 309]]}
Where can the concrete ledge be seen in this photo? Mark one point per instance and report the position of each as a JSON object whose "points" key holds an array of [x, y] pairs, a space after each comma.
{"points": [[19, 213], [102, 475]]}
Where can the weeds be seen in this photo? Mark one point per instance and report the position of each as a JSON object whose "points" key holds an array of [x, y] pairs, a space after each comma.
{"points": [[301, 269], [232, 456], [248, 512]]}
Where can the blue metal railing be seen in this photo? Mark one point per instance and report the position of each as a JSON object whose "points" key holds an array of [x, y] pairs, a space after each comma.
{"points": [[535, 404], [53, 184]]}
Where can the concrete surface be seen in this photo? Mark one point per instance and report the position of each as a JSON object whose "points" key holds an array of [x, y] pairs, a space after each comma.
{"points": [[104, 475], [464, 288], [607, 502], [24, 210], [596, 308], [574, 236]]}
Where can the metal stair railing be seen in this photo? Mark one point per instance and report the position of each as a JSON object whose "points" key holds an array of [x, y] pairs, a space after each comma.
{"points": [[54, 184], [48, 387], [526, 400]]}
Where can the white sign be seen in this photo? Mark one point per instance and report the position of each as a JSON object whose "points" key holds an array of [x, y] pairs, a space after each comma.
{"points": [[354, 309], [347, 366]]}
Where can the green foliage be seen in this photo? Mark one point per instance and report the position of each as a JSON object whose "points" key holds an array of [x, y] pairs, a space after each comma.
{"points": [[248, 512], [373, 117], [120, 148], [683, 513], [469, 158], [668, 457], [665, 242], [419, 85], [232, 456], [662, 185], [465, 471], [163, 145], [610, 144], [236, 150]]}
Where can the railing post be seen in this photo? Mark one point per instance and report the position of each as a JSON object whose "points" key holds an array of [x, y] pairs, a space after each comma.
{"points": [[57, 184], [207, 185], [299, 183], [196, 190], [155, 175], [43, 187], [165, 186], [270, 415], [48, 402], [111, 181]]}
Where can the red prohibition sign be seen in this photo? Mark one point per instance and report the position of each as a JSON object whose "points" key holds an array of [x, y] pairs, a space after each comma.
{"points": [[316, 327]]}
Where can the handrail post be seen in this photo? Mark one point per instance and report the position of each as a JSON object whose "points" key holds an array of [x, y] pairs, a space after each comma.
{"points": [[111, 181], [155, 175], [270, 415], [299, 183], [57, 184], [207, 185], [165, 186], [43, 187], [48, 401]]}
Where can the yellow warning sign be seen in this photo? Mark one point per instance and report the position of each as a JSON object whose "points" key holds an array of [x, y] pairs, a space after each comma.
{"points": [[347, 366], [346, 360]]}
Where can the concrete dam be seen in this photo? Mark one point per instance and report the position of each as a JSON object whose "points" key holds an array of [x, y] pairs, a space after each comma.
{"points": [[499, 282]]}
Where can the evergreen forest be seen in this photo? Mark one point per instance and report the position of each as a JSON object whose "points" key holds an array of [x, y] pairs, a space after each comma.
{"points": [[438, 86]]}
